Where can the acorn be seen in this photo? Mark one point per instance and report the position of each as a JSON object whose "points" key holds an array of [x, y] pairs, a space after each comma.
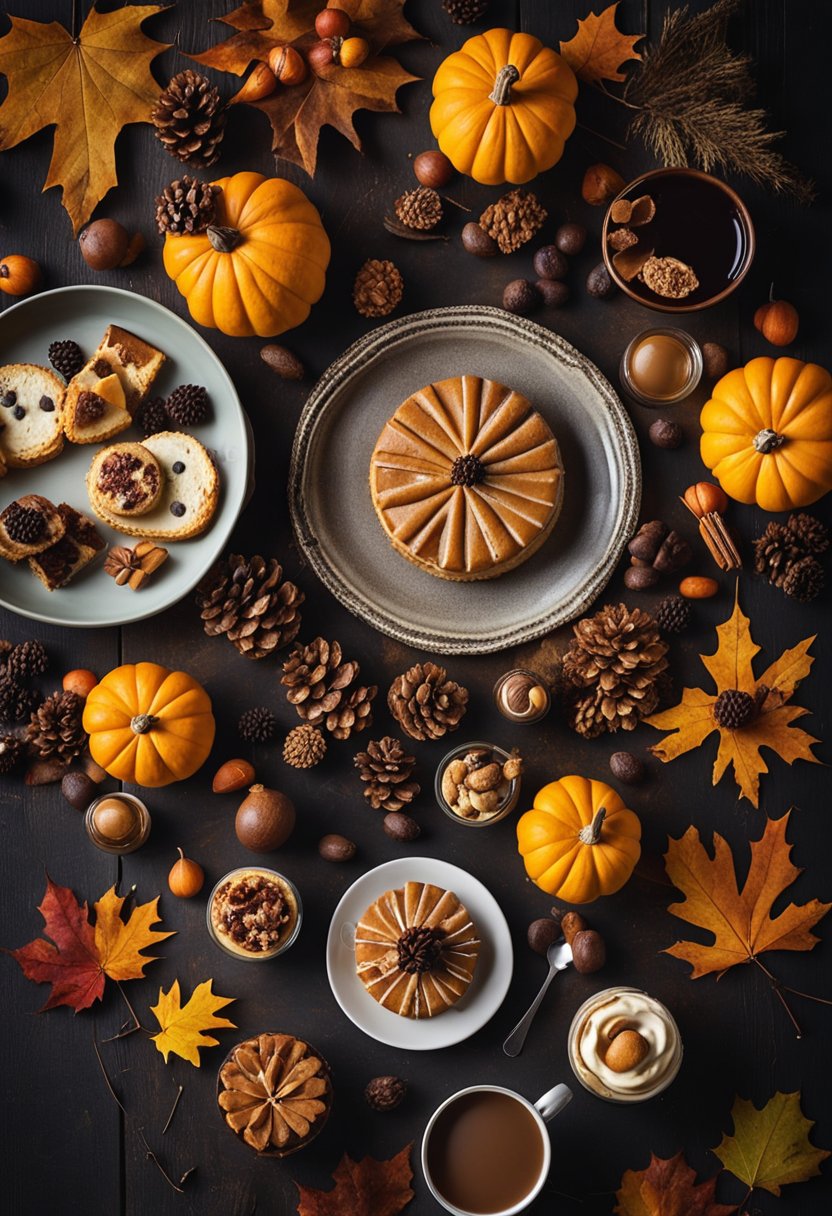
{"points": [[434, 169], [265, 819], [186, 877]]}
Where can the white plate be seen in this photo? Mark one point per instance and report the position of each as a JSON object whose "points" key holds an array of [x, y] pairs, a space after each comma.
{"points": [[92, 599], [491, 977]]}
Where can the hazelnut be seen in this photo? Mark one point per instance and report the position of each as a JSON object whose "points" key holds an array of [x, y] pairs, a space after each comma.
{"points": [[399, 826], [79, 790], [626, 1051], [104, 244], [521, 297], [665, 433], [600, 184], [640, 578], [715, 360], [550, 263], [553, 293], [778, 322], [626, 767], [476, 240], [571, 238], [588, 951], [598, 283], [543, 933], [435, 170], [570, 924], [336, 848]]}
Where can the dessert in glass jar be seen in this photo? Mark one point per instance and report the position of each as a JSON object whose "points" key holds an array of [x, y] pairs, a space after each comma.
{"points": [[624, 1045], [254, 913]]}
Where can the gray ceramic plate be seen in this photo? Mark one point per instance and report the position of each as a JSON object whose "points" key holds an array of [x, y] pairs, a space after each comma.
{"points": [[83, 313], [333, 514]]}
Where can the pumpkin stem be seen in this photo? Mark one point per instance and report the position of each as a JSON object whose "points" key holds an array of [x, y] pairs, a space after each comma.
{"points": [[142, 723], [506, 77], [766, 441], [591, 834], [223, 239]]}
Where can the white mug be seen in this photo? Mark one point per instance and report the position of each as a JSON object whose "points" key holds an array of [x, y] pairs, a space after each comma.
{"points": [[542, 1111]]}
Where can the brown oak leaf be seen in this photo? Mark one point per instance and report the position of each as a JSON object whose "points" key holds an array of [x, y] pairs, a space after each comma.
{"points": [[329, 97], [362, 1188], [88, 87], [730, 667], [770, 1147], [741, 921], [599, 48], [668, 1187]]}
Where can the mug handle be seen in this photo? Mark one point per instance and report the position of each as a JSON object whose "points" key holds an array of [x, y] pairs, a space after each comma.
{"points": [[553, 1102]]}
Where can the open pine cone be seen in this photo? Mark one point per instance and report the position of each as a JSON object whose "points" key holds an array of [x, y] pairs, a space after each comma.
{"points": [[275, 1092], [189, 118], [55, 727], [386, 771], [320, 686], [244, 598], [425, 703]]}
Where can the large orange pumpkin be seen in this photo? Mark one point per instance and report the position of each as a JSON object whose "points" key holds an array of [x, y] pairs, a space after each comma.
{"points": [[504, 107], [260, 266], [149, 725]]}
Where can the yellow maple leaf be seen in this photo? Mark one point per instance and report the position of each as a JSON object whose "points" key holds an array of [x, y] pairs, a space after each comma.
{"points": [[119, 942], [88, 88], [599, 48], [731, 667], [770, 1147], [184, 1026]]}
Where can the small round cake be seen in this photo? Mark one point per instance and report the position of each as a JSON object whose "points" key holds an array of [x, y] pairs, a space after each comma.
{"points": [[125, 479], [466, 479], [416, 949]]}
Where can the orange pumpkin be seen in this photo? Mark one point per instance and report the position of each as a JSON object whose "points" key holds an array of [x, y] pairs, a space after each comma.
{"points": [[149, 725], [579, 841], [260, 266]]}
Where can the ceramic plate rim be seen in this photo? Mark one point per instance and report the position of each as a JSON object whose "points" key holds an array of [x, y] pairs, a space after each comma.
{"points": [[356, 360], [497, 926], [227, 519]]}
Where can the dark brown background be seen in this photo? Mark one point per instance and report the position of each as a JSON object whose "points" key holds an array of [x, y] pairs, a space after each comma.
{"points": [[67, 1148]]}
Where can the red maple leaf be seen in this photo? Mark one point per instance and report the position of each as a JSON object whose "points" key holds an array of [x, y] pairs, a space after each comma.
{"points": [[69, 962]]}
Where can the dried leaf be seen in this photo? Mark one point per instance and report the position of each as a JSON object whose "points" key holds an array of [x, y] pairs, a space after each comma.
{"points": [[692, 720], [599, 48], [668, 1188], [184, 1026], [119, 943], [362, 1188], [330, 98], [770, 1147], [741, 921], [89, 88]]}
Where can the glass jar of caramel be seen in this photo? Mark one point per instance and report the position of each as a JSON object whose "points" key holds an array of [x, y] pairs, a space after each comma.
{"points": [[661, 366]]}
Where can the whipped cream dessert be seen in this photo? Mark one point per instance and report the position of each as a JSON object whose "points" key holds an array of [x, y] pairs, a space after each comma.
{"points": [[642, 1063]]}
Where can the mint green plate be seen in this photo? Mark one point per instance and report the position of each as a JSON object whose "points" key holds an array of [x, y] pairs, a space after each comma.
{"points": [[92, 599]]}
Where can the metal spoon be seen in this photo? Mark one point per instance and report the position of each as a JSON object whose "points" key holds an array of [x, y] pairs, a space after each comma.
{"points": [[559, 957]]}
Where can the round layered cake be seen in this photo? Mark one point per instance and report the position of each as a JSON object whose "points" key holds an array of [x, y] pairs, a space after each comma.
{"points": [[416, 949], [466, 479]]}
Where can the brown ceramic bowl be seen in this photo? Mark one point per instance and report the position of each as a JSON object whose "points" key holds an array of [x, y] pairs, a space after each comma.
{"points": [[699, 220]]}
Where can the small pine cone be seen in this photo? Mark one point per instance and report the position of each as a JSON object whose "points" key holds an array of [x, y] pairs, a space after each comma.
{"points": [[305, 746], [186, 205], [673, 614], [245, 599], [16, 702], [55, 727], [386, 771], [316, 679], [353, 714], [425, 703], [257, 725], [152, 417], [188, 405], [12, 751], [189, 118], [734, 709], [775, 551], [27, 659], [465, 12], [66, 357], [385, 1093], [804, 580], [585, 715], [378, 288], [420, 208], [809, 532], [513, 219]]}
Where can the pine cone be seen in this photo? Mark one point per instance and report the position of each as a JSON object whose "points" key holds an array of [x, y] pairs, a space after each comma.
{"points": [[25, 525], [55, 727], [12, 751], [304, 747], [189, 118], [244, 598], [808, 532], [734, 709], [386, 772], [257, 725], [420, 208], [378, 288], [66, 357], [353, 715], [804, 580], [465, 12], [152, 417], [319, 687], [673, 614], [513, 219], [27, 659], [186, 205], [385, 1093], [16, 702], [425, 703], [188, 405], [616, 662], [775, 551]]}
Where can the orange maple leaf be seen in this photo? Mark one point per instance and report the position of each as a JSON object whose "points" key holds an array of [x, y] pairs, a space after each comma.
{"points": [[119, 942], [599, 48], [329, 96], [692, 720], [741, 921], [668, 1187], [362, 1188], [88, 87]]}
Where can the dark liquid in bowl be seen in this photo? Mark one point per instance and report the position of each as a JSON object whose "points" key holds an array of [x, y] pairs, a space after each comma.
{"points": [[697, 223], [485, 1152]]}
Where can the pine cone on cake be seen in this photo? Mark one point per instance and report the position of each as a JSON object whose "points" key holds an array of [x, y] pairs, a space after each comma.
{"points": [[386, 771], [615, 665], [189, 118], [425, 703], [304, 747], [320, 686], [27, 659], [244, 598], [186, 206], [55, 727]]}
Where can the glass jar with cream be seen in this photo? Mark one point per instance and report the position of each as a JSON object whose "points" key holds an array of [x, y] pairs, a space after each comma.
{"points": [[661, 366], [624, 1045]]}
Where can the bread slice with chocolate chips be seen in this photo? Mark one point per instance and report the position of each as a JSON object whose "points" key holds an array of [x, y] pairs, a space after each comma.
{"points": [[31, 417], [77, 547], [102, 398], [28, 525]]}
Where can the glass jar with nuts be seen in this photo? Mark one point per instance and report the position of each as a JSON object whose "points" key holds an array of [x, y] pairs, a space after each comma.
{"points": [[478, 784]]}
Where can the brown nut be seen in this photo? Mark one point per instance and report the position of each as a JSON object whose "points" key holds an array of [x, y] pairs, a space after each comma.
{"points": [[78, 789], [261, 83], [462, 806], [640, 578], [233, 775], [542, 934], [513, 768], [588, 951], [336, 848], [704, 497], [674, 553], [666, 433], [626, 1051], [282, 361], [600, 184], [476, 240], [435, 170], [648, 540], [697, 587], [626, 767], [477, 758], [486, 778], [399, 826], [570, 924], [486, 802], [450, 787], [715, 360]]}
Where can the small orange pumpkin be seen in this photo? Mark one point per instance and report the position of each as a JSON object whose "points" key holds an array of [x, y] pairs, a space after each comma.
{"points": [[149, 725], [579, 841]]}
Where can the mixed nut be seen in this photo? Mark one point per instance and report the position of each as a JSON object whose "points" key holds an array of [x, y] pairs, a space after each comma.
{"points": [[477, 784]]}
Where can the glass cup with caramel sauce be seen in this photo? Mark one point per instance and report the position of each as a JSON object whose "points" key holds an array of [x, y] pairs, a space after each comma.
{"points": [[661, 366]]}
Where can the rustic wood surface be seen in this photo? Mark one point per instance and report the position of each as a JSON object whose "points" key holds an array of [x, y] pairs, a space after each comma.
{"points": [[66, 1147]]}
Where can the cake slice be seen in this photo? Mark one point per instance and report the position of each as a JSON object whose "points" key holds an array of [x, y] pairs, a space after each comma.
{"points": [[28, 525], [78, 546], [31, 416], [102, 398]]}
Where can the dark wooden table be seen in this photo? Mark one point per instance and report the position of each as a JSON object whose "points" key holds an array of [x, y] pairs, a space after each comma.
{"points": [[66, 1147]]}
